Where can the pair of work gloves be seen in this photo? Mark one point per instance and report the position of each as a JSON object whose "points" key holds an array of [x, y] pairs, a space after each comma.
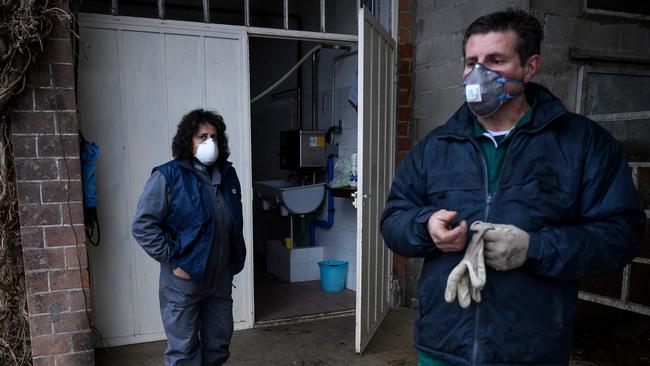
{"points": [[502, 247]]}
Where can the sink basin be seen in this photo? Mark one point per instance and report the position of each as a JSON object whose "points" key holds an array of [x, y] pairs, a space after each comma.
{"points": [[295, 199]]}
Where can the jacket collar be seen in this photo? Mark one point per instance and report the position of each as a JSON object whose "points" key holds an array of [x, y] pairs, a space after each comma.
{"points": [[224, 167], [547, 108]]}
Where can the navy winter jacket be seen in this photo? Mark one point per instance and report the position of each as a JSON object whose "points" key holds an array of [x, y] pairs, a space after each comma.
{"points": [[565, 181], [188, 228]]}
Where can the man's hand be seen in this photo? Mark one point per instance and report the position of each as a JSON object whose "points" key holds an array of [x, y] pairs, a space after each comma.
{"points": [[506, 247], [468, 278], [446, 238], [179, 272]]}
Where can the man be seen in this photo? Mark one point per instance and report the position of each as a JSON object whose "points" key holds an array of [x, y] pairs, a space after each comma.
{"points": [[552, 189]]}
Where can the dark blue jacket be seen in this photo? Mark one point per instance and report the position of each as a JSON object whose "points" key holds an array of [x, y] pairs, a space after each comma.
{"points": [[189, 225], [565, 181]]}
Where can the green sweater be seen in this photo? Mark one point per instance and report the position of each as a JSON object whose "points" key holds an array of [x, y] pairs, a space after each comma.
{"points": [[495, 148]]}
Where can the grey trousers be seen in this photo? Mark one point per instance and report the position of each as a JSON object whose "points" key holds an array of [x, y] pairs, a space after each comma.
{"points": [[197, 319]]}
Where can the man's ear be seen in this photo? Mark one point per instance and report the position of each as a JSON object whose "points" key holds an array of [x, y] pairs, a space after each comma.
{"points": [[531, 67]]}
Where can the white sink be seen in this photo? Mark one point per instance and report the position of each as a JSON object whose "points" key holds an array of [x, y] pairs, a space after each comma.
{"points": [[295, 199]]}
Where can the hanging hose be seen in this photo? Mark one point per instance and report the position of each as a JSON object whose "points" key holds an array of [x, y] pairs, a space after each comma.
{"points": [[283, 78], [330, 206]]}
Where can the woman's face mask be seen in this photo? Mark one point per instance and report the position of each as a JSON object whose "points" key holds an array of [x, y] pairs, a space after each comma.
{"points": [[207, 152], [485, 90]]}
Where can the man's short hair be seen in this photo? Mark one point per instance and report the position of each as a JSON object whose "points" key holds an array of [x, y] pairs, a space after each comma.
{"points": [[527, 27]]}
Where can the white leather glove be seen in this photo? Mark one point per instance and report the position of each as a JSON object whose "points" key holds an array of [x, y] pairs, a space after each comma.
{"points": [[467, 279], [506, 247]]}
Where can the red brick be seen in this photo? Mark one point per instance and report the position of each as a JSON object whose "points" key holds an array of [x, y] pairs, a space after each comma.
{"points": [[406, 51], [79, 300], [40, 325], [35, 215], [65, 279], [404, 36], [404, 144], [24, 100], [51, 344], [31, 237], [404, 114], [70, 322], [56, 258], [54, 99], [406, 20], [50, 146], [24, 146], [59, 30], [72, 259], [35, 259], [402, 129], [74, 211], [405, 67], [38, 75], [405, 81], [61, 191], [400, 156], [63, 76], [57, 52], [29, 193], [36, 169], [43, 361], [66, 122], [70, 167], [404, 98], [82, 341], [75, 359], [36, 282], [64, 235], [32, 122], [43, 303]]}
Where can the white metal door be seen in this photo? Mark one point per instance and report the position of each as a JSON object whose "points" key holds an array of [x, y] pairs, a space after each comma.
{"points": [[139, 78], [376, 146]]}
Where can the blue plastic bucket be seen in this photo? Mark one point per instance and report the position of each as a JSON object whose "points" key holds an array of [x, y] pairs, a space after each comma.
{"points": [[332, 275]]}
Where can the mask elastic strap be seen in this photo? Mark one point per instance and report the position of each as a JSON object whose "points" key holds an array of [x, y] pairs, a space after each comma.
{"points": [[507, 96]]}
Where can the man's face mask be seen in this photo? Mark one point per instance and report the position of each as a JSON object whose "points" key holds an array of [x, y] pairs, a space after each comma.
{"points": [[485, 90], [207, 152]]}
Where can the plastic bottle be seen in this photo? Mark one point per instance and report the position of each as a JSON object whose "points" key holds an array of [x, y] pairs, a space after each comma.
{"points": [[353, 170]]}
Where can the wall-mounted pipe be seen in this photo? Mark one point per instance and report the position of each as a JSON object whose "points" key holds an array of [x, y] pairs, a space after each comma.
{"points": [[327, 224], [285, 76], [314, 90]]}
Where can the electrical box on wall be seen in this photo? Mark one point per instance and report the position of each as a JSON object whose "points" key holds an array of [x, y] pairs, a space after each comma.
{"points": [[301, 149]]}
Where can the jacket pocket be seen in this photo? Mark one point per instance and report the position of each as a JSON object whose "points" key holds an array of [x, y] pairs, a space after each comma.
{"points": [[455, 190]]}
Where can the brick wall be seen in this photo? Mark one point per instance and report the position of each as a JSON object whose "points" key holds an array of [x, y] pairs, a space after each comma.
{"points": [[405, 81], [46, 155]]}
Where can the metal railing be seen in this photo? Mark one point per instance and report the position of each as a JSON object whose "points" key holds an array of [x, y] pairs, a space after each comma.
{"points": [[623, 301]]}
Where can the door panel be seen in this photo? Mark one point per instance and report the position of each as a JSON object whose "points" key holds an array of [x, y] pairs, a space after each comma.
{"points": [[376, 121], [140, 77]]}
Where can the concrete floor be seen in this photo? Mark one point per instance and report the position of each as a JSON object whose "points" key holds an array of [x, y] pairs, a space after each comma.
{"points": [[322, 342], [277, 299], [603, 337]]}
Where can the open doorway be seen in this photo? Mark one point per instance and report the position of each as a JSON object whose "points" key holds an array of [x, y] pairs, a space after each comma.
{"points": [[299, 128]]}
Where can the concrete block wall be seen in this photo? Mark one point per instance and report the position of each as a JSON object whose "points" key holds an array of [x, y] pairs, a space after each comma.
{"points": [[567, 26], [46, 155], [439, 29]]}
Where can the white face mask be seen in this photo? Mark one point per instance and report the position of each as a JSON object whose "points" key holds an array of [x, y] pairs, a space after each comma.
{"points": [[207, 152]]}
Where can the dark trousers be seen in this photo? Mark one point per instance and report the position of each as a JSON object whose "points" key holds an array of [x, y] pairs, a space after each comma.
{"points": [[197, 319]]}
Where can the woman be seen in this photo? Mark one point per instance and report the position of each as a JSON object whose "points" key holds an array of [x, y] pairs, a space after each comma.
{"points": [[189, 218]]}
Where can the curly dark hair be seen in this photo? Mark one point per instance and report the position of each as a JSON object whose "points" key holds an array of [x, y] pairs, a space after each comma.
{"points": [[528, 29], [189, 126]]}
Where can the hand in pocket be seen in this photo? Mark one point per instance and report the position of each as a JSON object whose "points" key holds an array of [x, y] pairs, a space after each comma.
{"points": [[179, 272]]}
